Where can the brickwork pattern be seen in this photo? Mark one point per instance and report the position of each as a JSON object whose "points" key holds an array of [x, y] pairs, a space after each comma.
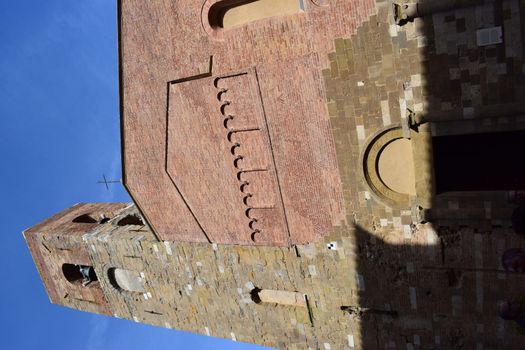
{"points": [[164, 41], [226, 155]]}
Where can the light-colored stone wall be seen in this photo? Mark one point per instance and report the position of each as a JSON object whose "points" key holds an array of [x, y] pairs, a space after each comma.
{"points": [[362, 288]]}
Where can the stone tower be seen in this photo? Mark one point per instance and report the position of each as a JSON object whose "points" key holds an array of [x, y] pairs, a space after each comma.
{"points": [[58, 249], [309, 174]]}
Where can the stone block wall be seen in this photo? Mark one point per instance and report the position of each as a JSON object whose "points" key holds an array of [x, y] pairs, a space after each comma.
{"points": [[364, 290], [58, 241]]}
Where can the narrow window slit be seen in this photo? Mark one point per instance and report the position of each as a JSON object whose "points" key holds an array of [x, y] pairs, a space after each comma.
{"points": [[280, 297]]}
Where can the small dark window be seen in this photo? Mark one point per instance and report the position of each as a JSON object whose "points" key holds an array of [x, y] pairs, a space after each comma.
{"points": [[79, 274], [254, 294], [131, 220], [99, 218], [85, 219]]}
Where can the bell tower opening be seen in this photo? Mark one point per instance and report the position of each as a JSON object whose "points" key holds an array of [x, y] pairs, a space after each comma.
{"points": [[85, 219], [79, 274]]}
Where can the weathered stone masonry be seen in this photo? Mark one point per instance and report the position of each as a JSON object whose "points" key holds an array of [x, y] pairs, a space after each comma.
{"points": [[205, 288]]}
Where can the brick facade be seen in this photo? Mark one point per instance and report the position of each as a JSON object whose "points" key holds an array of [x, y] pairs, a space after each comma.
{"points": [[167, 43]]}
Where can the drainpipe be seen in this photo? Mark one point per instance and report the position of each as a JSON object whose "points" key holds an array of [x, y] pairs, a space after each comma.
{"points": [[404, 13]]}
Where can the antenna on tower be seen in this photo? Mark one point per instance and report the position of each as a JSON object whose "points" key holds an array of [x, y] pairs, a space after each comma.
{"points": [[107, 182]]}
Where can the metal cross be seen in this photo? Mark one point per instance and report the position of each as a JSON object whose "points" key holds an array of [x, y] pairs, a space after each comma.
{"points": [[107, 182]]}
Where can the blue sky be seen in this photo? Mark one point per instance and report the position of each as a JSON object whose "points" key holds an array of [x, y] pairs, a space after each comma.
{"points": [[59, 133]]}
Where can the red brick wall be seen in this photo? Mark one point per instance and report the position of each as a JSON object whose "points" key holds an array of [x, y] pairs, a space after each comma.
{"points": [[162, 41]]}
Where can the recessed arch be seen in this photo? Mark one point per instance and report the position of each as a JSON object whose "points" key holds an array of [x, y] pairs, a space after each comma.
{"points": [[130, 220], [219, 15], [126, 280], [93, 218], [396, 166], [85, 219], [370, 159]]}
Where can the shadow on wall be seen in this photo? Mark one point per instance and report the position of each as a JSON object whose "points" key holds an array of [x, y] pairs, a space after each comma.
{"points": [[441, 284]]}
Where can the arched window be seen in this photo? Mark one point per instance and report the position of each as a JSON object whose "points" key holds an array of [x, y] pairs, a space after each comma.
{"points": [[90, 218], [231, 13], [86, 219], [79, 274], [126, 280], [131, 220]]}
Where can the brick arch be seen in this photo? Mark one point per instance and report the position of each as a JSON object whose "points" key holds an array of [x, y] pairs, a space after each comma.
{"points": [[214, 32], [208, 18]]}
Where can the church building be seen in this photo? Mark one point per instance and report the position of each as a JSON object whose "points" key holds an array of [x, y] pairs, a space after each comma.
{"points": [[311, 174]]}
